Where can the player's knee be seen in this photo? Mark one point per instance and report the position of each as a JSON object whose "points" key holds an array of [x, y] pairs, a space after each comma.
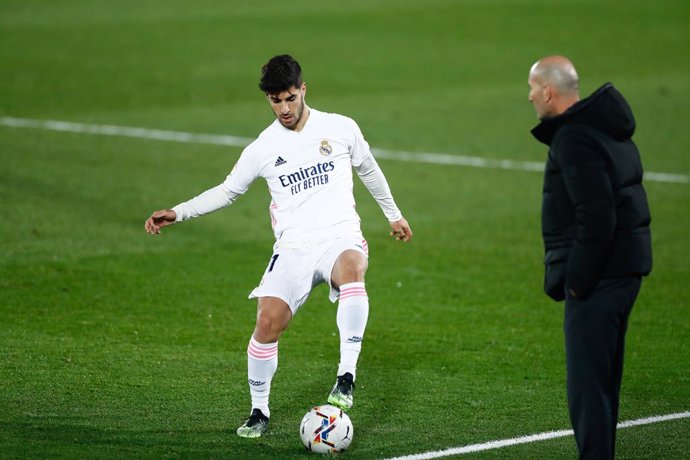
{"points": [[268, 327], [265, 326], [352, 267], [357, 271]]}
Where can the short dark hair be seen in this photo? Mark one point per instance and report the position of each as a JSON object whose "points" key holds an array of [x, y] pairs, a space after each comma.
{"points": [[280, 74]]}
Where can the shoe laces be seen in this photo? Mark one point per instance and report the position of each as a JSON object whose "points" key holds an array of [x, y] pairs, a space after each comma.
{"points": [[345, 383], [256, 417]]}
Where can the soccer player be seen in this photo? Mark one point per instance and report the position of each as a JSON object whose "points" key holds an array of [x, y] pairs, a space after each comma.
{"points": [[306, 157]]}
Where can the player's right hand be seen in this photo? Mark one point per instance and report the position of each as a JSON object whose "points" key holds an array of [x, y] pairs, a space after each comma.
{"points": [[158, 219]]}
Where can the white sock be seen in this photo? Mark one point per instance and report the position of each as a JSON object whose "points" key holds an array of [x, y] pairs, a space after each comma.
{"points": [[353, 311], [262, 362]]}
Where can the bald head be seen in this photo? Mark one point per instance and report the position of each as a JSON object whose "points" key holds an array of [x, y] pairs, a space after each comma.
{"points": [[553, 85], [558, 72]]}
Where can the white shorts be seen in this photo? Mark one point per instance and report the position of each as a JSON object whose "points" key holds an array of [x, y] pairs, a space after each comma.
{"points": [[292, 273]]}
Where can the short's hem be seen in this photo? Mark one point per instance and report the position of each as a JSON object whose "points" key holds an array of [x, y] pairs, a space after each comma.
{"points": [[255, 295]]}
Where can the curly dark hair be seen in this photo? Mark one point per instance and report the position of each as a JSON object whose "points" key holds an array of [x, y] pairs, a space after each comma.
{"points": [[279, 74]]}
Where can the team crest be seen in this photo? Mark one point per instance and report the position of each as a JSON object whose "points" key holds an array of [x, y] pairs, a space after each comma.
{"points": [[325, 148]]}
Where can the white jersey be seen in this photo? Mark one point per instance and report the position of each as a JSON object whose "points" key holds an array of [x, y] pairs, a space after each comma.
{"points": [[309, 175]]}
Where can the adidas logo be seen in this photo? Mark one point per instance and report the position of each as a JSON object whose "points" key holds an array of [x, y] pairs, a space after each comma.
{"points": [[280, 161]]}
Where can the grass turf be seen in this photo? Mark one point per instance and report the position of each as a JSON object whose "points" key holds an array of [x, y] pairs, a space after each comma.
{"points": [[116, 344]]}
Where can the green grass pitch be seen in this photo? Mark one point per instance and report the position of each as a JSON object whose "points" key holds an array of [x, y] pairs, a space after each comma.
{"points": [[116, 344]]}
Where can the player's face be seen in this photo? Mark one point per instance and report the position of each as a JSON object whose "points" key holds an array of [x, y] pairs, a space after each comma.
{"points": [[539, 96], [288, 107]]}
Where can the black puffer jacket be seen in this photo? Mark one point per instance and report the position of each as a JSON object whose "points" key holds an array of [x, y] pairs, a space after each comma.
{"points": [[595, 216]]}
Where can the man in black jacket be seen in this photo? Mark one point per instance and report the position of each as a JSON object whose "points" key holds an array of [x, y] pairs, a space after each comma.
{"points": [[595, 226]]}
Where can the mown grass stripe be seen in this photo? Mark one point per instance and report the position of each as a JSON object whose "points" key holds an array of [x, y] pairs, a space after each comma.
{"points": [[236, 141]]}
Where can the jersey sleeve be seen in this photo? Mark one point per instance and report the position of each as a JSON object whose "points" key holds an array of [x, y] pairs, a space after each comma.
{"points": [[245, 171], [371, 175], [359, 150]]}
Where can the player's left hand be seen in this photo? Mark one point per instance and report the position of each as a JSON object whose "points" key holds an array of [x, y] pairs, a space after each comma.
{"points": [[401, 230]]}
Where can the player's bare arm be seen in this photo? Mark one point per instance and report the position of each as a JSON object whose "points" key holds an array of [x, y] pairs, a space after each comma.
{"points": [[401, 230], [160, 218]]}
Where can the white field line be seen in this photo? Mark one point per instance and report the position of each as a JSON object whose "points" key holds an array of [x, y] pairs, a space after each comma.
{"points": [[531, 438], [235, 141], [126, 131]]}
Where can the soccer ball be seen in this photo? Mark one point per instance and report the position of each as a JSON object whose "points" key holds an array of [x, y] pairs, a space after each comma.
{"points": [[326, 430]]}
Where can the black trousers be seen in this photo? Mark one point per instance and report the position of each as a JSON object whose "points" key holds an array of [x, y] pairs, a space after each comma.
{"points": [[594, 344]]}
